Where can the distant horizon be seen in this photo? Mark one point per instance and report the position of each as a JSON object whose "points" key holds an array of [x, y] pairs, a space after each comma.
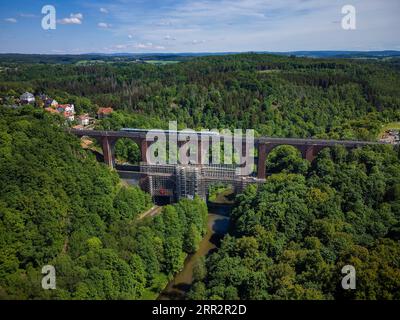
{"points": [[201, 52]]}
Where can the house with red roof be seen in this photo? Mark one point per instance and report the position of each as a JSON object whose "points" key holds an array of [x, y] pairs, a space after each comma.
{"points": [[66, 110], [104, 112], [84, 119]]}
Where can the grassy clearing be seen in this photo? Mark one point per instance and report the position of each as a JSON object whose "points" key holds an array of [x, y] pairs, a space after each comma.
{"points": [[89, 62], [269, 71], [389, 126]]}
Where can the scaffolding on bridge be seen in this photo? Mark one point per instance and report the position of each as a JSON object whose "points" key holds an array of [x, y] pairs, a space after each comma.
{"points": [[187, 181]]}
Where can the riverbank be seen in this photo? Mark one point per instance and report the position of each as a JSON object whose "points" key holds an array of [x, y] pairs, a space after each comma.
{"points": [[217, 227]]}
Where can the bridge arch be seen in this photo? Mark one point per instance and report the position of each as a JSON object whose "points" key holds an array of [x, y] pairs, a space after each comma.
{"points": [[285, 157], [108, 144], [128, 151], [307, 151]]}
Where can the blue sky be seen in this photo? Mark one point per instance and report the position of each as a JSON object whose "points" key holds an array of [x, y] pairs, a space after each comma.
{"points": [[197, 26]]}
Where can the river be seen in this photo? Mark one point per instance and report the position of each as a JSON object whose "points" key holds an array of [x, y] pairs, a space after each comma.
{"points": [[217, 227], [218, 224]]}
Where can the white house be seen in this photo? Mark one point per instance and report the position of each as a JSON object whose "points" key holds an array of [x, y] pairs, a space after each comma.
{"points": [[84, 119], [69, 116], [66, 108], [27, 98]]}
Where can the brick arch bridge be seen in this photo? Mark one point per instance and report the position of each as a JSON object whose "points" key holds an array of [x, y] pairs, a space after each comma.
{"points": [[309, 148]]}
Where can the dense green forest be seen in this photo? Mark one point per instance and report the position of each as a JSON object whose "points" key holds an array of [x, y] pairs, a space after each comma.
{"points": [[58, 206], [276, 95], [291, 237]]}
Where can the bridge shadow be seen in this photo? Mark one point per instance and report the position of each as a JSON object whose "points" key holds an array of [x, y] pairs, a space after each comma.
{"points": [[220, 209], [216, 241], [185, 287], [161, 200], [219, 229], [230, 197], [127, 167], [220, 226], [171, 295], [98, 155], [175, 292]]}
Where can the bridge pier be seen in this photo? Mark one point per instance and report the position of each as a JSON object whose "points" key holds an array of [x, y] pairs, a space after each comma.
{"points": [[262, 157], [310, 152], [202, 152], [263, 151], [108, 145], [143, 149]]}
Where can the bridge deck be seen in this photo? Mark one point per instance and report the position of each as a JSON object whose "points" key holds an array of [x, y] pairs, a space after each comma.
{"points": [[257, 140]]}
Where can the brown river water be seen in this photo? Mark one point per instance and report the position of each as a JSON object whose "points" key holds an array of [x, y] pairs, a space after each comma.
{"points": [[218, 224]]}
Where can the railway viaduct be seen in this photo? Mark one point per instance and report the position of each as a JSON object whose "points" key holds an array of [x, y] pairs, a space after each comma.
{"points": [[309, 148]]}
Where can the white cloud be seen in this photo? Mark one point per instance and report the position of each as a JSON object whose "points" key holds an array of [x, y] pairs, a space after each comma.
{"points": [[164, 23], [148, 46], [168, 37], [103, 10], [74, 18], [77, 15], [104, 25], [11, 20], [130, 36], [198, 41], [58, 51], [27, 15]]}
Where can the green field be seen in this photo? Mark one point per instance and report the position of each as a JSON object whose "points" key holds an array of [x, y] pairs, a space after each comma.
{"points": [[161, 62], [89, 62]]}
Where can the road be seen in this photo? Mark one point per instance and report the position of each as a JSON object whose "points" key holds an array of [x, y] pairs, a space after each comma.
{"points": [[155, 210]]}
